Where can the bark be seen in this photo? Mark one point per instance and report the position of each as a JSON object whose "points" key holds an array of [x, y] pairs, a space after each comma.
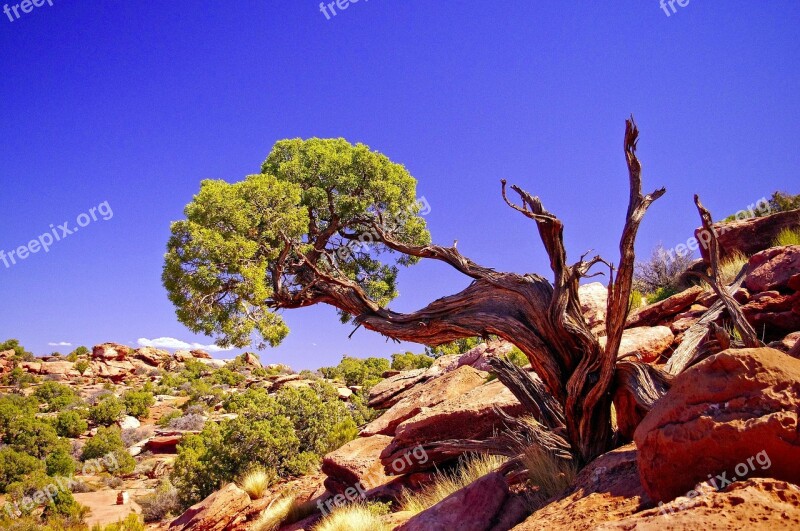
{"points": [[542, 319], [638, 387]]}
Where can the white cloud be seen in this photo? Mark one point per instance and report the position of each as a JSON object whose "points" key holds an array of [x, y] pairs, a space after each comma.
{"points": [[176, 344], [60, 344]]}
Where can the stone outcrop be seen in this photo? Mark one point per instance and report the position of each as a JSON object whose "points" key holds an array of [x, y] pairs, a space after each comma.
{"points": [[608, 489], [646, 343], [660, 312], [749, 236], [735, 413], [426, 395], [111, 351], [357, 462], [476, 507], [219, 512], [757, 504], [594, 302], [773, 269], [386, 392]]}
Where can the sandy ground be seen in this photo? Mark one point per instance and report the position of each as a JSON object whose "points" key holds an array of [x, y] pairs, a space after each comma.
{"points": [[104, 506]]}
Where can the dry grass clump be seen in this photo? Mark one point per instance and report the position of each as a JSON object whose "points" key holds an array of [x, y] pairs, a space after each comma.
{"points": [[788, 236], [550, 474], [276, 514], [353, 517], [469, 470], [730, 267], [256, 482]]}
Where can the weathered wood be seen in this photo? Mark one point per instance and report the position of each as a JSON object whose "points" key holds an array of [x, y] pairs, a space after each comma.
{"points": [[749, 336], [530, 391], [638, 387]]}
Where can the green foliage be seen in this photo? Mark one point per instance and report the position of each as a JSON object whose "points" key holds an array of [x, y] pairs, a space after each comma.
{"points": [[660, 294], [70, 424], [459, 346], [60, 463], [107, 445], [160, 504], [18, 378], [223, 261], [56, 396], [60, 510], [82, 366], [357, 371], [138, 403], [225, 376], [286, 432], [132, 522], [788, 237], [107, 411], [408, 360], [636, 299], [517, 357], [16, 466], [20, 354], [33, 436], [783, 202]]}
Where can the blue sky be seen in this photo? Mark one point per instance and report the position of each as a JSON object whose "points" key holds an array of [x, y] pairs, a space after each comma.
{"points": [[133, 103]]}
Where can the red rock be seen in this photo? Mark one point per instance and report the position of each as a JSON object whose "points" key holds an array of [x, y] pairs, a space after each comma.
{"points": [[385, 393], [164, 444], [64, 368], [773, 269], [152, 356], [251, 359], [594, 302], [756, 504], [200, 354], [749, 236], [734, 406], [478, 357], [111, 351], [608, 489], [661, 311], [476, 507], [356, 462], [646, 343], [773, 312], [469, 416], [219, 512], [428, 394]]}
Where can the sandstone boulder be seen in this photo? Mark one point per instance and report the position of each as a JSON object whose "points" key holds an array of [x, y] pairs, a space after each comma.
{"points": [[773, 312], [479, 356], [110, 351], [735, 413], [594, 301], [182, 356], [476, 507], [773, 268], [152, 356], [218, 512], [757, 504], [357, 462], [428, 394], [61, 368], [384, 394], [608, 489], [646, 343], [251, 359], [750, 236], [469, 416], [200, 354], [662, 311]]}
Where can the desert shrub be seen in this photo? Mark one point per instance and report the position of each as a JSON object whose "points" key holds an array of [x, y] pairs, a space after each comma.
{"points": [[56, 396], [70, 424], [637, 300], [107, 445], [660, 294], [132, 522], [34, 436], [138, 403], [20, 354], [550, 474], [191, 422], [166, 418], [15, 466], [408, 360], [788, 237], [82, 366], [107, 411], [730, 267], [355, 517], [18, 378], [518, 358], [257, 481], [459, 346], [469, 469], [61, 508], [276, 514], [194, 370], [60, 463], [13, 407], [225, 376], [160, 504], [134, 435], [356, 371], [661, 272]]}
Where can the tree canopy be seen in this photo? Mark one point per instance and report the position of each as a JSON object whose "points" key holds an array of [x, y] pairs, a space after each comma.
{"points": [[322, 215]]}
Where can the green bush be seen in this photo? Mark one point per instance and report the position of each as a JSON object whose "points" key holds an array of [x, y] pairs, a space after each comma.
{"points": [[60, 463], [56, 396], [82, 366], [60, 512], [15, 466], [660, 294], [138, 403], [408, 361], [70, 424], [356, 371], [518, 358], [107, 411], [34, 436], [459, 346], [788, 237], [107, 445], [20, 354]]}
